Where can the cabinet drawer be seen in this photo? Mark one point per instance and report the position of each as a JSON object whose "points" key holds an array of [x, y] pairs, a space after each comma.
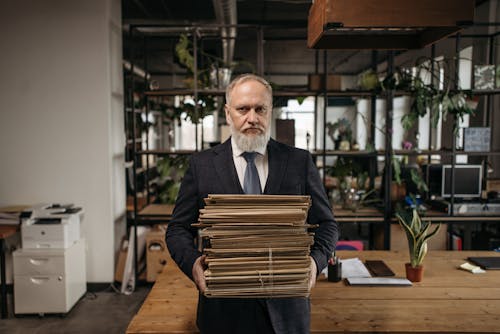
{"points": [[40, 294], [38, 265]]}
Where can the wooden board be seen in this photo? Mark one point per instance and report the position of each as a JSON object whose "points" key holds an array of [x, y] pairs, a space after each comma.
{"points": [[447, 300]]}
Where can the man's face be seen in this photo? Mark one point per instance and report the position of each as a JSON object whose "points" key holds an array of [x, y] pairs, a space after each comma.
{"points": [[249, 114]]}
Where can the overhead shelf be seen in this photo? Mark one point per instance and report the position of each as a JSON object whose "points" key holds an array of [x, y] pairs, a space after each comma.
{"points": [[385, 24]]}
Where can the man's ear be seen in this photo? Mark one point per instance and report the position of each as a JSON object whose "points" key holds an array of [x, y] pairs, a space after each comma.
{"points": [[228, 118]]}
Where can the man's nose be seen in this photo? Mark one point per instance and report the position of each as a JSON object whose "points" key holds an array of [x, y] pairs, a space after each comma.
{"points": [[252, 116]]}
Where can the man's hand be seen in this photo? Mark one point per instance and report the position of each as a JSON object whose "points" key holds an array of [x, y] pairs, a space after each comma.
{"points": [[198, 275], [314, 271]]}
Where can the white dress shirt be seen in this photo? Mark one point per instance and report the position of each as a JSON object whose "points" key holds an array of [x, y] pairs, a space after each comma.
{"points": [[261, 162]]}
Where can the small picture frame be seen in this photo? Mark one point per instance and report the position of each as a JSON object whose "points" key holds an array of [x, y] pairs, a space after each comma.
{"points": [[497, 76], [477, 139], [484, 76]]}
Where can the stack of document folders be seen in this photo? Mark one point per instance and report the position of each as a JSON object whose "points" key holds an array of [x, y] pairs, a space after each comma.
{"points": [[256, 245]]}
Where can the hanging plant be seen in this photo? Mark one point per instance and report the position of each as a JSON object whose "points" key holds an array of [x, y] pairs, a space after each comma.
{"points": [[425, 97], [459, 105], [182, 50], [206, 104]]}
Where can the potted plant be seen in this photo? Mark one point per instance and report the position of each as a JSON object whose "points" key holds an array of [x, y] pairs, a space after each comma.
{"points": [[340, 133], [206, 103], [171, 171], [426, 97], [215, 73], [417, 233]]}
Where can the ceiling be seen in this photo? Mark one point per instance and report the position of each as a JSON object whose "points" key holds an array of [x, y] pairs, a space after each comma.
{"points": [[290, 13], [282, 24]]}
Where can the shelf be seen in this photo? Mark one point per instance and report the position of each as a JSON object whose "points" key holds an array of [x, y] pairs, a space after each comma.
{"points": [[164, 152], [137, 111], [137, 140], [140, 170], [441, 152], [345, 153], [368, 214], [486, 91], [183, 91], [291, 92], [333, 93], [403, 152]]}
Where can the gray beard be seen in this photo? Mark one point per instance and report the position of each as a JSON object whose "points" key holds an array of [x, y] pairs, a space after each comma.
{"points": [[250, 143]]}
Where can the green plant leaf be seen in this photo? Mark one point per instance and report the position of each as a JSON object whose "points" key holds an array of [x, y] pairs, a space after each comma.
{"points": [[182, 49], [417, 234]]}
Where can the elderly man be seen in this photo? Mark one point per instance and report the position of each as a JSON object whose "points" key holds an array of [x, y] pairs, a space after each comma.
{"points": [[249, 162]]}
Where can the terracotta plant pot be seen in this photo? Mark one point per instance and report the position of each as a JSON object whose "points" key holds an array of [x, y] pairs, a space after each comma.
{"points": [[398, 191], [414, 274]]}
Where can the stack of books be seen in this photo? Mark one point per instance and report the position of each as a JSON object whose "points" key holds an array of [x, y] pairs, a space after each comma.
{"points": [[258, 245]]}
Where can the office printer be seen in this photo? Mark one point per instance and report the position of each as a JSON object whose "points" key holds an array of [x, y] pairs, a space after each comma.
{"points": [[51, 226]]}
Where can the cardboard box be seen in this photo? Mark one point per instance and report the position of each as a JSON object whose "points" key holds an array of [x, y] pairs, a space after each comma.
{"points": [[122, 258], [157, 253], [333, 82]]}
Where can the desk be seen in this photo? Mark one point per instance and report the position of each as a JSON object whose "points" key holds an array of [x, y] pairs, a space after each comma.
{"points": [[155, 214], [5, 232], [373, 216], [364, 214], [447, 300]]}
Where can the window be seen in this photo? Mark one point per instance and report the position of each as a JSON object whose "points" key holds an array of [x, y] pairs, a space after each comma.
{"points": [[303, 114]]}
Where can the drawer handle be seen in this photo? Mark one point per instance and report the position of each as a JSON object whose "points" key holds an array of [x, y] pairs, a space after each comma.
{"points": [[39, 262], [39, 280]]}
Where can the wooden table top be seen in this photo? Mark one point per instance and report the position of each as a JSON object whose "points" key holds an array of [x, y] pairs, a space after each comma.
{"points": [[8, 230], [447, 300], [374, 215], [157, 210]]}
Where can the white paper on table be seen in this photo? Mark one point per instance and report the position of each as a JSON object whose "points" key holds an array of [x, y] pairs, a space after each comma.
{"points": [[352, 268]]}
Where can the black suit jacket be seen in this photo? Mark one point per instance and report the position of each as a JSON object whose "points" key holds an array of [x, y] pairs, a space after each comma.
{"points": [[291, 172]]}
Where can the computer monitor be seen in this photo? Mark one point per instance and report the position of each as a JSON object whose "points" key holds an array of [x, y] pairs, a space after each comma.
{"points": [[468, 181], [433, 174]]}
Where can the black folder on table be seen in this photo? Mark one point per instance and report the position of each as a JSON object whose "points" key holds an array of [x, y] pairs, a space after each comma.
{"points": [[486, 262]]}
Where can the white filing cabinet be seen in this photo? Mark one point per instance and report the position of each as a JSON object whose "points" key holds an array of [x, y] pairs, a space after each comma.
{"points": [[49, 280]]}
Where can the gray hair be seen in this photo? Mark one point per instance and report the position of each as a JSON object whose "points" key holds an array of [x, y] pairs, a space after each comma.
{"points": [[247, 77]]}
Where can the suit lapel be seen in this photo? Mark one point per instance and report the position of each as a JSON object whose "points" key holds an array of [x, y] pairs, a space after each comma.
{"points": [[277, 160], [224, 166]]}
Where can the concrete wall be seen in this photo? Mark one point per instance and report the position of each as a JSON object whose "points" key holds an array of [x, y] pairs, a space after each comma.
{"points": [[61, 116]]}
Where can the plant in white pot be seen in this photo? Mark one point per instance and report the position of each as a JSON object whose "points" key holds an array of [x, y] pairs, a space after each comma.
{"points": [[418, 232]]}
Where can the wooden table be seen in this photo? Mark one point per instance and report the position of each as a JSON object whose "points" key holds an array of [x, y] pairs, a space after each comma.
{"points": [[5, 232], [153, 214], [447, 300]]}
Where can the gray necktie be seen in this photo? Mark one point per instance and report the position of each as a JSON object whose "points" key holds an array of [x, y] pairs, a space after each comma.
{"points": [[251, 182]]}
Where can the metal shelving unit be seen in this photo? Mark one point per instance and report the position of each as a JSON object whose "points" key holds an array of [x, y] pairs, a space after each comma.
{"points": [[319, 153]]}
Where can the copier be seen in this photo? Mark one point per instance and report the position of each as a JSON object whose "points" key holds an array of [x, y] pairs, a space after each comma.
{"points": [[49, 269], [51, 226]]}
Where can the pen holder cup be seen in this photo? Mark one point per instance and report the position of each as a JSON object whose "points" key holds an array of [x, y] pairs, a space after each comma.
{"points": [[335, 272]]}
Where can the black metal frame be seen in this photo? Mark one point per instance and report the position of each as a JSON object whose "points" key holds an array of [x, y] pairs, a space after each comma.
{"points": [[137, 220]]}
